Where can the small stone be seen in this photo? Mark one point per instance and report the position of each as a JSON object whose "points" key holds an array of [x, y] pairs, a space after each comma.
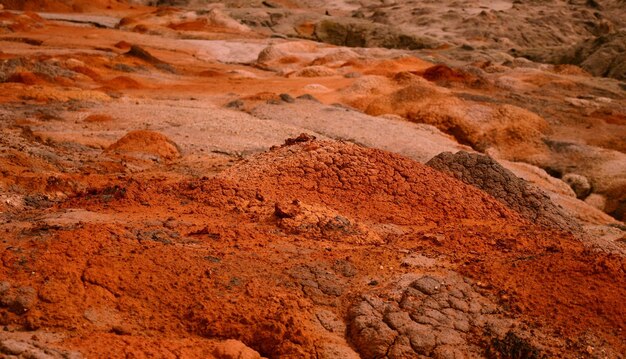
{"points": [[418, 260], [307, 97], [4, 287], [25, 299], [235, 104], [287, 98], [437, 239]]}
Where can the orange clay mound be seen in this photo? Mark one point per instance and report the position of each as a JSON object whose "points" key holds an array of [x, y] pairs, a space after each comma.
{"points": [[345, 177], [257, 252], [145, 142]]}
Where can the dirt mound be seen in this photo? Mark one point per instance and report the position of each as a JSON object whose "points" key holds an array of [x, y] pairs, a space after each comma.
{"points": [[147, 143], [485, 173], [345, 177]]}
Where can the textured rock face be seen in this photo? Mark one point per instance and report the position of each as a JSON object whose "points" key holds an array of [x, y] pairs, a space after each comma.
{"points": [[485, 173], [358, 33], [437, 316], [601, 56]]}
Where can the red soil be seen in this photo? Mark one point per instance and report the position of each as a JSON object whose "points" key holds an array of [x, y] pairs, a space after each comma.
{"points": [[177, 249]]}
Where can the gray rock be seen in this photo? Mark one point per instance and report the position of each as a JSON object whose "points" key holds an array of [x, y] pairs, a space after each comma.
{"points": [[485, 173]]}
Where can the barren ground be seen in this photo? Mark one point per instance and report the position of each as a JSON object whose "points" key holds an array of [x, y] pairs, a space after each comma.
{"points": [[187, 182]]}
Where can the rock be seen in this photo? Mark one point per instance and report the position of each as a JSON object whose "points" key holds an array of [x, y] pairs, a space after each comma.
{"points": [[287, 56], [398, 135], [316, 88], [25, 299], [147, 143], [168, 21], [358, 33], [234, 349], [140, 53], [345, 268], [604, 169], [487, 174], [604, 55], [580, 184], [420, 322], [235, 104], [330, 321], [427, 285], [308, 97], [418, 261], [20, 348], [4, 287], [597, 201], [287, 98], [538, 177], [314, 71]]}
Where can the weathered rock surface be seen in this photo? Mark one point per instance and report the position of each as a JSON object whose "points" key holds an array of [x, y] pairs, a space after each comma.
{"points": [[430, 315], [602, 56], [485, 173]]}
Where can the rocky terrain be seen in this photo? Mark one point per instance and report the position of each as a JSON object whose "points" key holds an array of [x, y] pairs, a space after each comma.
{"points": [[312, 179]]}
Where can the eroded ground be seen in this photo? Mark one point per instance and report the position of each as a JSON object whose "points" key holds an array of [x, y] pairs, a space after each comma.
{"points": [[179, 183]]}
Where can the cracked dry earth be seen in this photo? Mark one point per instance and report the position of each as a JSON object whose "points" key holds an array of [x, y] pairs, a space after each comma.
{"points": [[176, 183]]}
